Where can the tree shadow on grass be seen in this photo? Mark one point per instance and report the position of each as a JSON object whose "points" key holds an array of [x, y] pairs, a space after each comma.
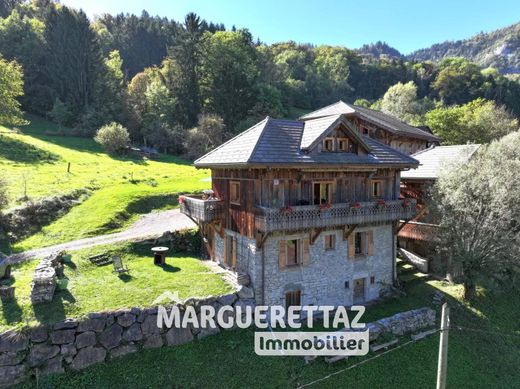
{"points": [[18, 151], [12, 311], [55, 310]]}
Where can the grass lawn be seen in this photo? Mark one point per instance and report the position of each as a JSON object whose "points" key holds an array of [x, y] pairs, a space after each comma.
{"points": [[475, 360], [95, 288], [124, 187]]}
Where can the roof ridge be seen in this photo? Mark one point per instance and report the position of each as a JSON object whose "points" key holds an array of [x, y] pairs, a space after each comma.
{"points": [[235, 137], [267, 120], [323, 108]]}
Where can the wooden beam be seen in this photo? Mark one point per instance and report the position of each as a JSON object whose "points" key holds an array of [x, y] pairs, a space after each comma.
{"points": [[260, 239], [313, 234], [347, 230]]}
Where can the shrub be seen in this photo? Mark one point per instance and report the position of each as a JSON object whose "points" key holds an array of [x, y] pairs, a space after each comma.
{"points": [[113, 137]]}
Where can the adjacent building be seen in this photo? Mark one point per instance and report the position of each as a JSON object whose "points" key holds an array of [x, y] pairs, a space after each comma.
{"points": [[307, 210]]}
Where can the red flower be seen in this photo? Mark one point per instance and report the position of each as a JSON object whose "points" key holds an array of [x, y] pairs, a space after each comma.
{"points": [[406, 202], [381, 203], [287, 209], [355, 205], [181, 199], [325, 206]]}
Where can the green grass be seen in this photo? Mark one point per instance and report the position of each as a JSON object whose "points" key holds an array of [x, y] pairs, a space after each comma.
{"points": [[96, 288], [122, 185], [475, 360]]}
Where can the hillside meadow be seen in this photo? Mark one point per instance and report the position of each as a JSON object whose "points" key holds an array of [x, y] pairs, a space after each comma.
{"points": [[34, 161]]}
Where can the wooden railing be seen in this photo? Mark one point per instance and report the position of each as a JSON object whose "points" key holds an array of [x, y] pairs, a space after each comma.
{"points": [[313, 216], [201, 210]]}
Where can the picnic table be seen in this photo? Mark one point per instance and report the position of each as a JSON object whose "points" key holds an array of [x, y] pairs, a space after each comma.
{"points": [[159, 257]]}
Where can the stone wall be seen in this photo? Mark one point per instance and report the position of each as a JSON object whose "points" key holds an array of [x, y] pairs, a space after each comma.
{"points": [[78, 343], [403, 323], [44, 278], [322, 282]]}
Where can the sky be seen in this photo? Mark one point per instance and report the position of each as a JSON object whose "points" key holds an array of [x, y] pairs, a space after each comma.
{"points": [[404, 24]]}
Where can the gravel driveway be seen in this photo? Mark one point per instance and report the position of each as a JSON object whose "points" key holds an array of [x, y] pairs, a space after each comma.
{"points": [[151, 225]]}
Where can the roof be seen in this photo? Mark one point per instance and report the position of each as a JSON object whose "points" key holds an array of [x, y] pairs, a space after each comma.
{"points": [[383, 120], [434, 158], [278, 142]]}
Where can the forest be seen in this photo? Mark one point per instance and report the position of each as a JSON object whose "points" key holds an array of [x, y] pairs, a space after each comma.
{"points": [[184, 87]]}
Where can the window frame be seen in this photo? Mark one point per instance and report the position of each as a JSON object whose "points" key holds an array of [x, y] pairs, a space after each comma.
{"points": [[293, 298], [373, 185], [297, 253], [329, 242], [331, 140], [330, 194], [347, 146], [363, 246], [232, 200]]}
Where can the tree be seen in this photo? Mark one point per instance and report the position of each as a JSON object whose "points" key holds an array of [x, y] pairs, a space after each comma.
{"points": [[477, 206], [73, 60], [11, 88], [458, 81], [210, 133], [400, 100], [113, 138], [135, 103], [22, 39], [181, 71], [479, 121], [228, 74], [60, 113]]}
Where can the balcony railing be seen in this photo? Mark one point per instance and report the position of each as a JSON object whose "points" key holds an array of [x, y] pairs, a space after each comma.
{"points": [[201, 210], [312, 216]]}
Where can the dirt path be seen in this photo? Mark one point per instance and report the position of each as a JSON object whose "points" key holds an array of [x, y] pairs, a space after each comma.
{"points": [[151, 225]]}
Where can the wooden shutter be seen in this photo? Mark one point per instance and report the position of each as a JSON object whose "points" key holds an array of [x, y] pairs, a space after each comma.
{"points": [[282, 254], [234, 252], [370, 243], [351, 246], [305, 252]]}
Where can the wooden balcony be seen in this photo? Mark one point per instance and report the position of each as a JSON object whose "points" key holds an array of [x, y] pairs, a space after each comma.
{"points": [[312, 216], [201, 210]]}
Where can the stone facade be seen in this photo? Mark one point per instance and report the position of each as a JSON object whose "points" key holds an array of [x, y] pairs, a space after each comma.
{"points": [[323, 280]]}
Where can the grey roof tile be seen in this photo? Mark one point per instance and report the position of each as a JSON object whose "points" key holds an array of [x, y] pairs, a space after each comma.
{"points": [[277, 142], [433, 159], [381, 119]]}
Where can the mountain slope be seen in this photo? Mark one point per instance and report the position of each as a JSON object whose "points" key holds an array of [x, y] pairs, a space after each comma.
{"points": [[499, 49]]}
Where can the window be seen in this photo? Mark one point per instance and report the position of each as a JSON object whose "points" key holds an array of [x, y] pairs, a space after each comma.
{"points": [[293, 299], [372, 280], [347, 285], [343, 144], [377, 189], [360, 241], [330, 241], [328, 144], [234, 192], [292, 252], [322, 193]]}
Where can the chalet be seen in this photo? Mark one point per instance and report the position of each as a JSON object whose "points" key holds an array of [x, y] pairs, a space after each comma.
{"points": [[377, 125], [307, 209], [419, 234]]}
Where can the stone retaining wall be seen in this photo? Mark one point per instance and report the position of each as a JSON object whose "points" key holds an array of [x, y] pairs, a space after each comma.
{"points": [[78, 343]]}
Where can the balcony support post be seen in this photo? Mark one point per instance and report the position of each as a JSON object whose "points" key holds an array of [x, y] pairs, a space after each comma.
{"points": [[260, 238], [314, 233], [348, 230]]}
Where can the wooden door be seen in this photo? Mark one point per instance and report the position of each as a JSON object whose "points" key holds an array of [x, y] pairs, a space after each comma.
{"points": [[359, 291]]}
